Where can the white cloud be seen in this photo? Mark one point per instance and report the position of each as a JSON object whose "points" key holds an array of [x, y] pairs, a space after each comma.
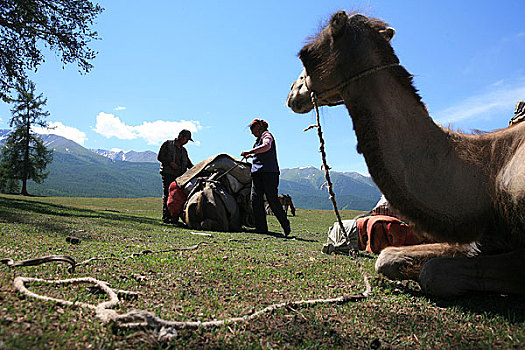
{"points": [[65, 131], [159, 131], [108, 125], [119, 108], [502, 97], [153, 133]]}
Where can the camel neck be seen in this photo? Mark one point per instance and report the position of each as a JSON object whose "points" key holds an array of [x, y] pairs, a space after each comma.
{"points": [[412, 159]]}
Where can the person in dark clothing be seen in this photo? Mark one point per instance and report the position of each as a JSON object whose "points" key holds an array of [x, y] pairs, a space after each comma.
{"points": [[265, 177], [174, 162]]}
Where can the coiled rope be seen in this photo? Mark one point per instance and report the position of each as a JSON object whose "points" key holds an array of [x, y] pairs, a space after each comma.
{"points": [[164, 331]]}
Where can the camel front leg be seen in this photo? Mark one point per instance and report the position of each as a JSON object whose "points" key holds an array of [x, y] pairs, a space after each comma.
{"points": [[405, 263], [449, 277]]}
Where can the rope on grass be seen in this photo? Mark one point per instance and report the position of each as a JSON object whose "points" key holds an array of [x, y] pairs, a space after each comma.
{"points": [[353, 251], [40, 261], [163, 330], [74, 265]]}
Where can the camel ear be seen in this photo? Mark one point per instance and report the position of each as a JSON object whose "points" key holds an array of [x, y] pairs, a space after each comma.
{"points": [[338, 22], [388, 33]]}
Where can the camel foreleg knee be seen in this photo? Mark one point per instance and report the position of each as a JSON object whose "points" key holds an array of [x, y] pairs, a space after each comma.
{"points": [[394, 264]]}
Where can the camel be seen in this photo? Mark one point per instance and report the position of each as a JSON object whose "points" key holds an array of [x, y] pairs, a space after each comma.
{"points": [[286, 202], [465, 191]]}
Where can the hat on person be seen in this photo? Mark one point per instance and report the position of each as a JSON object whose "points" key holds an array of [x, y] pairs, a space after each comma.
{"points": [[186, 134], [262, 123]]}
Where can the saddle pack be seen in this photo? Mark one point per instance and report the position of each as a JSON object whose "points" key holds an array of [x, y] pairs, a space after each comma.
{"points": [[215, 195], [372, 233], [377, 232]]}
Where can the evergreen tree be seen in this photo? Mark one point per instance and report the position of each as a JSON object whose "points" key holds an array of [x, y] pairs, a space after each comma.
{"points": [[8, 185], [63, 26], [24, 155]]}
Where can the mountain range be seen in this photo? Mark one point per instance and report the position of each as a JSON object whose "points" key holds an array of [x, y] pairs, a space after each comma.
{"points": [[80, 172], [306, 186], [128, 156]]}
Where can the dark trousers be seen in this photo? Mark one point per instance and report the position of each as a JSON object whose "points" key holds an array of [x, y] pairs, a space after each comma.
{"points": [[266, 184], [167, 179]]}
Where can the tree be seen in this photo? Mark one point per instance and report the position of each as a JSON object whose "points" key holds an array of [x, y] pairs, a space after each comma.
{"points": [[63, 26], [8, 185], [24, 155]]}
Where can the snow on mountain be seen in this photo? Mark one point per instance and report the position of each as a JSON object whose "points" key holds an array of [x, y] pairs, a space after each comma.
{"points": [[128, 156], [3, 134], [63, 144]]}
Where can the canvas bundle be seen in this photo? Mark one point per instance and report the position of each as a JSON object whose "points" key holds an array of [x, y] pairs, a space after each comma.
{"points": [[371, 233], [217, 195]]}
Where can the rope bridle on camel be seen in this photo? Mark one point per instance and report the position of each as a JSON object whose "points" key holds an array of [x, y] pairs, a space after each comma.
{"points": [[353, 250], [315, 96]]}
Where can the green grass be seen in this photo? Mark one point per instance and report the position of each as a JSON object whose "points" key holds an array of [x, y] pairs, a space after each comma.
{"points": [[231, 275]]}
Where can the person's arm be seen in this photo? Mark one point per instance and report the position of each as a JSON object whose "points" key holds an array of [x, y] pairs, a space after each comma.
{"points": [[165, 157], [267, 139], [162, 156], [190, 164]]}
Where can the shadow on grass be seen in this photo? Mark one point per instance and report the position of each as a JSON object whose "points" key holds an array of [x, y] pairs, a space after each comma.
{"points": [[281, 235], [509, 307], [512, 308], [10, 212], [293, 331]]}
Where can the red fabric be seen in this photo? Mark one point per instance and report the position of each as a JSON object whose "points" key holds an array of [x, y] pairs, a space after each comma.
{"points": [[380, 231], [176, 200], [383, 209]]}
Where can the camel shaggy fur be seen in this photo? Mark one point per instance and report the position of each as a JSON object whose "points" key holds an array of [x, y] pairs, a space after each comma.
{"points": [[464, 190]]}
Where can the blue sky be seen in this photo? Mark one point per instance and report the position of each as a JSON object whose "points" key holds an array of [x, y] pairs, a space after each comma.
{"points": [[212, 66]]}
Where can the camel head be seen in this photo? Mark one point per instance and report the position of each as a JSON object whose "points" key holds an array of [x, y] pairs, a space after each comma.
{"points": [[347, 46]]}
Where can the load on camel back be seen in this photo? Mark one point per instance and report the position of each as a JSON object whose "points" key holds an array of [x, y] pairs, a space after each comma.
{"points": [[214, 195], [373, 231]]}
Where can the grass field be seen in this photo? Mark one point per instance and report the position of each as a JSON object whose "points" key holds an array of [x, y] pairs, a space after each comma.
{"points": [[232, 275]]}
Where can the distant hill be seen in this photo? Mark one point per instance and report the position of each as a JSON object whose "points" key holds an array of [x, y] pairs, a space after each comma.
{"points": [[79, 172], [128, 156], [352, 190]]}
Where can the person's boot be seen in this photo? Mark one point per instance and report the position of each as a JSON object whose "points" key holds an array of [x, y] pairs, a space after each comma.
{"points": [[287, 229]]}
